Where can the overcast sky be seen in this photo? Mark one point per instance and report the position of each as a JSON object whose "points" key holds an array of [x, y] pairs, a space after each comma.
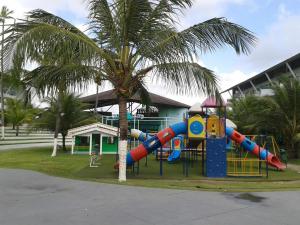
{"points": [[274, 22]]}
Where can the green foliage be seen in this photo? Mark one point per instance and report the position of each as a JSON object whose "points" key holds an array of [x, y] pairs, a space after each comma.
{"points": [[129, 41], [17, 113], [72, 114], [133, 39], [278, 115]]}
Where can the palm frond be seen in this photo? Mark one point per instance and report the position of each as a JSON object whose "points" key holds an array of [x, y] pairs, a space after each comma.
{"points": [[72, 76], [186, 78], [203, 37]]}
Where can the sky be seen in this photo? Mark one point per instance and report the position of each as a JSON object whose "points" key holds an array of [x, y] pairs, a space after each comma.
{"points": [[274, 22]]}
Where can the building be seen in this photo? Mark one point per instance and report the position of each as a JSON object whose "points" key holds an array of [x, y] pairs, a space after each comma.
{"points": [[162, 112], [261, 83]]}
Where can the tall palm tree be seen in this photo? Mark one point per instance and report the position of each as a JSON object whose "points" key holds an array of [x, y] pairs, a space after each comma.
{"points": [[4, 15], [133, 39]]}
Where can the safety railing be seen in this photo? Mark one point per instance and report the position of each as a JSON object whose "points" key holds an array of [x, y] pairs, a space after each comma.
{"points": [[241, 167]]}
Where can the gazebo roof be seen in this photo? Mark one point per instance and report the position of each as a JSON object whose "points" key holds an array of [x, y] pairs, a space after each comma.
{"points": [[212, 102], [108, 98]]}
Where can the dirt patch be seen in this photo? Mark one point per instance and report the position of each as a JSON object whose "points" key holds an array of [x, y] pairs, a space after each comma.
{"points": [[294, 167]]}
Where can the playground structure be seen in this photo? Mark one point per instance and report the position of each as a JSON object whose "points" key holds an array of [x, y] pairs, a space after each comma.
{"points": [[208, 131], [203, 133]]}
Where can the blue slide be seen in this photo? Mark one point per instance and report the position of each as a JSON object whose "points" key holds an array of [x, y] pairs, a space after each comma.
{"points": [[175, 155], [177, 146]]}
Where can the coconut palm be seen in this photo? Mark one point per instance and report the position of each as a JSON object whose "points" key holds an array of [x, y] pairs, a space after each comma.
{"points": [[133, 40], [278, 115], [72, 114], [5, 14], [282, 114], [17, 113]]}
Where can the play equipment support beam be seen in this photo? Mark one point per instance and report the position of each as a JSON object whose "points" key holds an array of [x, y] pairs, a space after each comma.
{"points": [[291, 71], [160, 163]]}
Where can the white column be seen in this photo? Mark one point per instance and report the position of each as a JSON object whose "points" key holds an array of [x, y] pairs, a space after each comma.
{"points": [[269, 79], [243, 95], [255, 89], [290, 69], [101, 144], [73, 143], [91, 143]]}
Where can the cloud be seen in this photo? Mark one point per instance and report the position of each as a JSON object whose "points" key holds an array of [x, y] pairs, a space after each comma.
{"points": [[230, 79], [280, 41], [207, 9], [76, 7]]}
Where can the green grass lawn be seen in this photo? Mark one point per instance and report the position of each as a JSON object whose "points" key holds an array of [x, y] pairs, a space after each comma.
{"points": [[77, 167]]}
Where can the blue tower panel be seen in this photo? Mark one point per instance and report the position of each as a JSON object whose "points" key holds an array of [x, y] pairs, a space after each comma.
{"points": [[216, 160]]}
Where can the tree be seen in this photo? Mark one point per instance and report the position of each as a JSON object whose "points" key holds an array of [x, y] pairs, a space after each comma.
{"points": [[282, 113], [244, 112], [17, 114], [278, 115], [72, 114], [131, 40], [4, 15]]}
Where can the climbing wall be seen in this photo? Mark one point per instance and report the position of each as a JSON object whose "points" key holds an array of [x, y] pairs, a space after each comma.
{"points": [[216, 164]]}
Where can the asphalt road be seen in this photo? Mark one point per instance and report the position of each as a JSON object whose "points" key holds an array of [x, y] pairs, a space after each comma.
{"points": [[29, 198]]}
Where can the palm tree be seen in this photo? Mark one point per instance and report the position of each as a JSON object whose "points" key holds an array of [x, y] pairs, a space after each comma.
{"points": [[49, 78], [133, 40], [17, 114], [244, 112], [282, 113], [278, 115], [4, 15], [72, 113]]}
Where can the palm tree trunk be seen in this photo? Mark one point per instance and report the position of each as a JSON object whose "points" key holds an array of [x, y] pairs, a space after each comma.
{"points": [[123, 138], [1, 85], [97, 100], [64, 142], [57, 124]]}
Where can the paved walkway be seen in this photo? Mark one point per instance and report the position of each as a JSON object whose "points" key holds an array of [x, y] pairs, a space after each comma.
{"points": [[29, 198], [23, 146]]}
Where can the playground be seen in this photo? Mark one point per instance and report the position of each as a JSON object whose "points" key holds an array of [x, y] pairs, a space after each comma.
{"points": [[202, 150], [204, 143]]}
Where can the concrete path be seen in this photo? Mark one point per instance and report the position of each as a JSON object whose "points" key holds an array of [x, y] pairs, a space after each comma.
{"points": [[22, 146], [29, 198], [25, 146]]}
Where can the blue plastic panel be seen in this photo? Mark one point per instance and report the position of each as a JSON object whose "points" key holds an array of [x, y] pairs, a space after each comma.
{"points": [[216, 160]]}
